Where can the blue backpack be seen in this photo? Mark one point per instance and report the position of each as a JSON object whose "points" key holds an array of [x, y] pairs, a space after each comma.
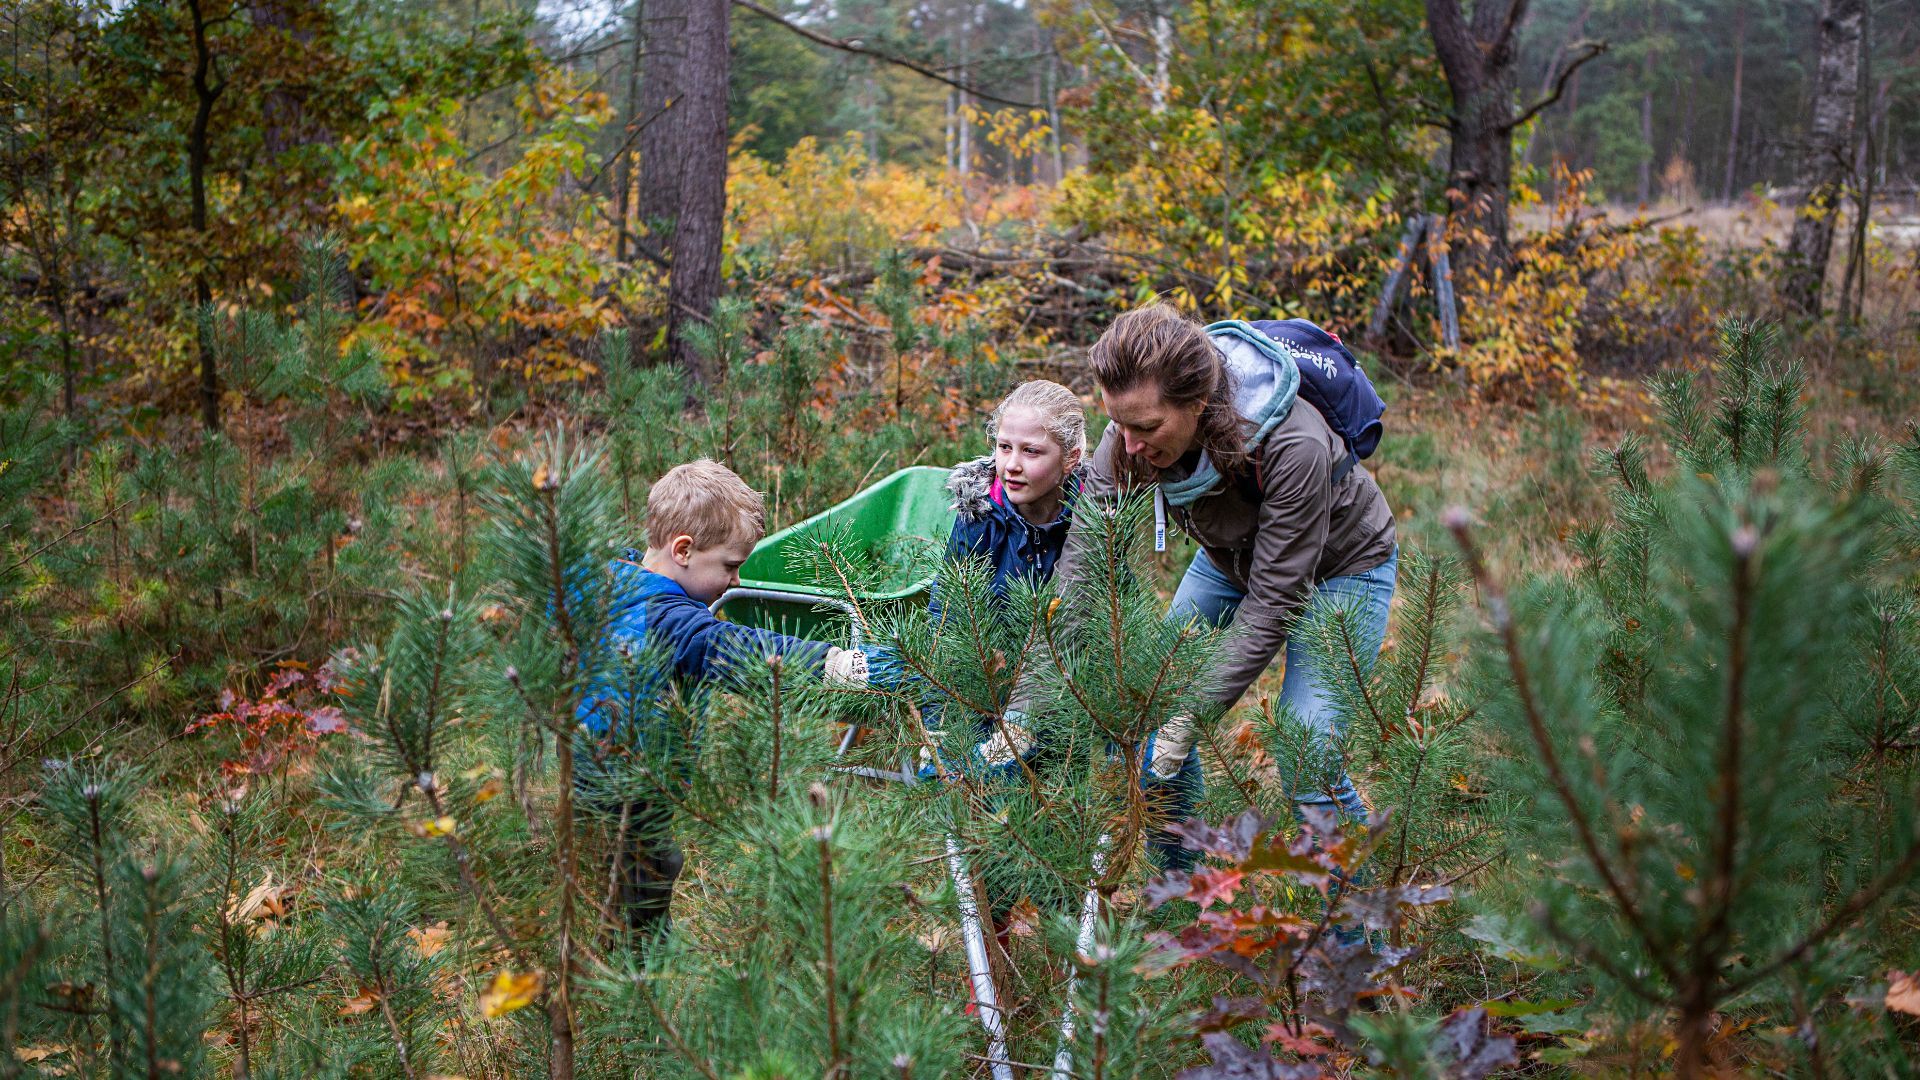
{"points": [[1330, 380]]}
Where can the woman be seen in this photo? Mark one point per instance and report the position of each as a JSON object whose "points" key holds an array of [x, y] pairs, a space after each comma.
{"points": [[1275, 498]]}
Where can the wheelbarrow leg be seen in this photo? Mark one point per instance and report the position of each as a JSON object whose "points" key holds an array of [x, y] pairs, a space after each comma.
{"points": [[1082, 943], [986, 999]]}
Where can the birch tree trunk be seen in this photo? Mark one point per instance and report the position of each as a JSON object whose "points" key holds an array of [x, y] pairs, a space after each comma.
{"points": [[1827, 155]]}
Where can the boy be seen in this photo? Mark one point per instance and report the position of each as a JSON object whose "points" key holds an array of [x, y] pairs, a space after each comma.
{"points": [[702, 523]]}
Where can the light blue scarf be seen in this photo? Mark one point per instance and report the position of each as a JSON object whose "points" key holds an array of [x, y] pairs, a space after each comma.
{"points": [[1266, 382]]}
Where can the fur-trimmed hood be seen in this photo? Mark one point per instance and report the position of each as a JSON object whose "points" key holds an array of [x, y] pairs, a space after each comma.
{"points": [[971, 485]]}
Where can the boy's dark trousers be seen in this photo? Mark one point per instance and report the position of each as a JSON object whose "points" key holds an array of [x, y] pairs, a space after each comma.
{"points": [[646, 863]]}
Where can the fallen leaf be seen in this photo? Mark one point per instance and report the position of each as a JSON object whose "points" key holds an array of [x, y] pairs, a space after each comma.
{"points": [[364, 1001], [31, 1054], [489, 790], [509, 992], [264, 901], [1024, 919], [1903, 992], [440, 826], [430, 940]]}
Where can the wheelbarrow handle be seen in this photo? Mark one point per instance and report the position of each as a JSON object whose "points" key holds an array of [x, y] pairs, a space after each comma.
{"points": [[1082, 943], [979, 968], [784, 596]]}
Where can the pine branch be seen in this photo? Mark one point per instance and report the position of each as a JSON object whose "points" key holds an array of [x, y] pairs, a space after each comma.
{"points": [[1721, 887]]}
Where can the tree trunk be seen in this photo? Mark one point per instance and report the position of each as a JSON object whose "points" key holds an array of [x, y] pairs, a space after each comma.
{"points": [[701, 219], [205, 90], [1053, 110], [964, 110], [1739, 73], [661, 111], [1852, 301], [1646, 113], [1478, 59], [624, 174], [1162, 60], [283, 107], [1826, 158]]}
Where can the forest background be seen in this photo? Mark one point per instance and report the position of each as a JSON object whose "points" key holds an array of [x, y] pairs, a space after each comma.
{"points": [[325, 320]]}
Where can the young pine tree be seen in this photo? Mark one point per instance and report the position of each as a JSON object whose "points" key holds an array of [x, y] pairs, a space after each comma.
{"points": [[1685, 715]]}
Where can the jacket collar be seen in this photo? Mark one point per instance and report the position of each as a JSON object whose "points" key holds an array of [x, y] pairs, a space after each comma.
{"points": [[644, 582]]}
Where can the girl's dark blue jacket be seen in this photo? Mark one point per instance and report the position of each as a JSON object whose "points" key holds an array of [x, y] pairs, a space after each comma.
{"points": [[987, 527]]}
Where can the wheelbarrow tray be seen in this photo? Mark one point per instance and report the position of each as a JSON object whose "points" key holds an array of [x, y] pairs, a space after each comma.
{"points": [[902, 521]]}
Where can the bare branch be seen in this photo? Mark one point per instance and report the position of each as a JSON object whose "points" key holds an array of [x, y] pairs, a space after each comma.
{"points": [[1594, 48], [861, 50]]}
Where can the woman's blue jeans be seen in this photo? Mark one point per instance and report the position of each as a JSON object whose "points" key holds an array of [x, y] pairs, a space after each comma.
{"points": [[1205, 593]]}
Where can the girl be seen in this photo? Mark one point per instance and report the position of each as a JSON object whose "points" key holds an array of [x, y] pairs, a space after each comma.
{"points": [[1013, 509]]}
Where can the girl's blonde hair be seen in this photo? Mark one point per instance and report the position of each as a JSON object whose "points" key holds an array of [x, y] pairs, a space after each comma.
{"points": [[1059, 410]]}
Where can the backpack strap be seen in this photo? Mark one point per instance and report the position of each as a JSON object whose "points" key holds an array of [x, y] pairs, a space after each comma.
{"points": [[1344, 466], [1251, 482]]}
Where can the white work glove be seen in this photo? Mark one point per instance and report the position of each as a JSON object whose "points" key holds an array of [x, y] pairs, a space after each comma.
{"points": [[1008, 743], [1167, 748], [846, 668]]}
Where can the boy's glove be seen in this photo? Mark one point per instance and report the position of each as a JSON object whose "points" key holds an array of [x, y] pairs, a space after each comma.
{"points": [[1167, 748], [846, 668]]}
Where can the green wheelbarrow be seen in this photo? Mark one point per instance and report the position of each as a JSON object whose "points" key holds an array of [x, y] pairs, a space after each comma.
{"points": [[899, 525]]}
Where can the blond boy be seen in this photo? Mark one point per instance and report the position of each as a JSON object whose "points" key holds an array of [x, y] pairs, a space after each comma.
{"points": [[702, 523]]}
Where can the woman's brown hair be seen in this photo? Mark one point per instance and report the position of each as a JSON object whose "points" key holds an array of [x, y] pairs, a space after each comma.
{"points": [[1157, 345]]}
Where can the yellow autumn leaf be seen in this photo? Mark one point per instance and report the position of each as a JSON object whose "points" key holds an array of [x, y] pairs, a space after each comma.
{"points": [[509, 992], [440, 826], [489, 790]]}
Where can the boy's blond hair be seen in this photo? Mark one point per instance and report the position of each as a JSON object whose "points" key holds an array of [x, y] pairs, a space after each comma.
{"points": [[707, 501]]}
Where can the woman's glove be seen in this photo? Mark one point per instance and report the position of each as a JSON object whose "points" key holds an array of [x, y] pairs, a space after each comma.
{"points": [[846, 668], [1008, 743], [1167, 748], [1001, 751]]}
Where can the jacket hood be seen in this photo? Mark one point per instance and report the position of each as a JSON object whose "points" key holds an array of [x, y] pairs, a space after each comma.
{"points": [[1266, 379], [971, 485], [639, 584]]}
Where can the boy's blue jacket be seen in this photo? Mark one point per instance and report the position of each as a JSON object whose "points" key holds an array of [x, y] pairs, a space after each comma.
{"points": [[987, 527], [651, 611]]}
